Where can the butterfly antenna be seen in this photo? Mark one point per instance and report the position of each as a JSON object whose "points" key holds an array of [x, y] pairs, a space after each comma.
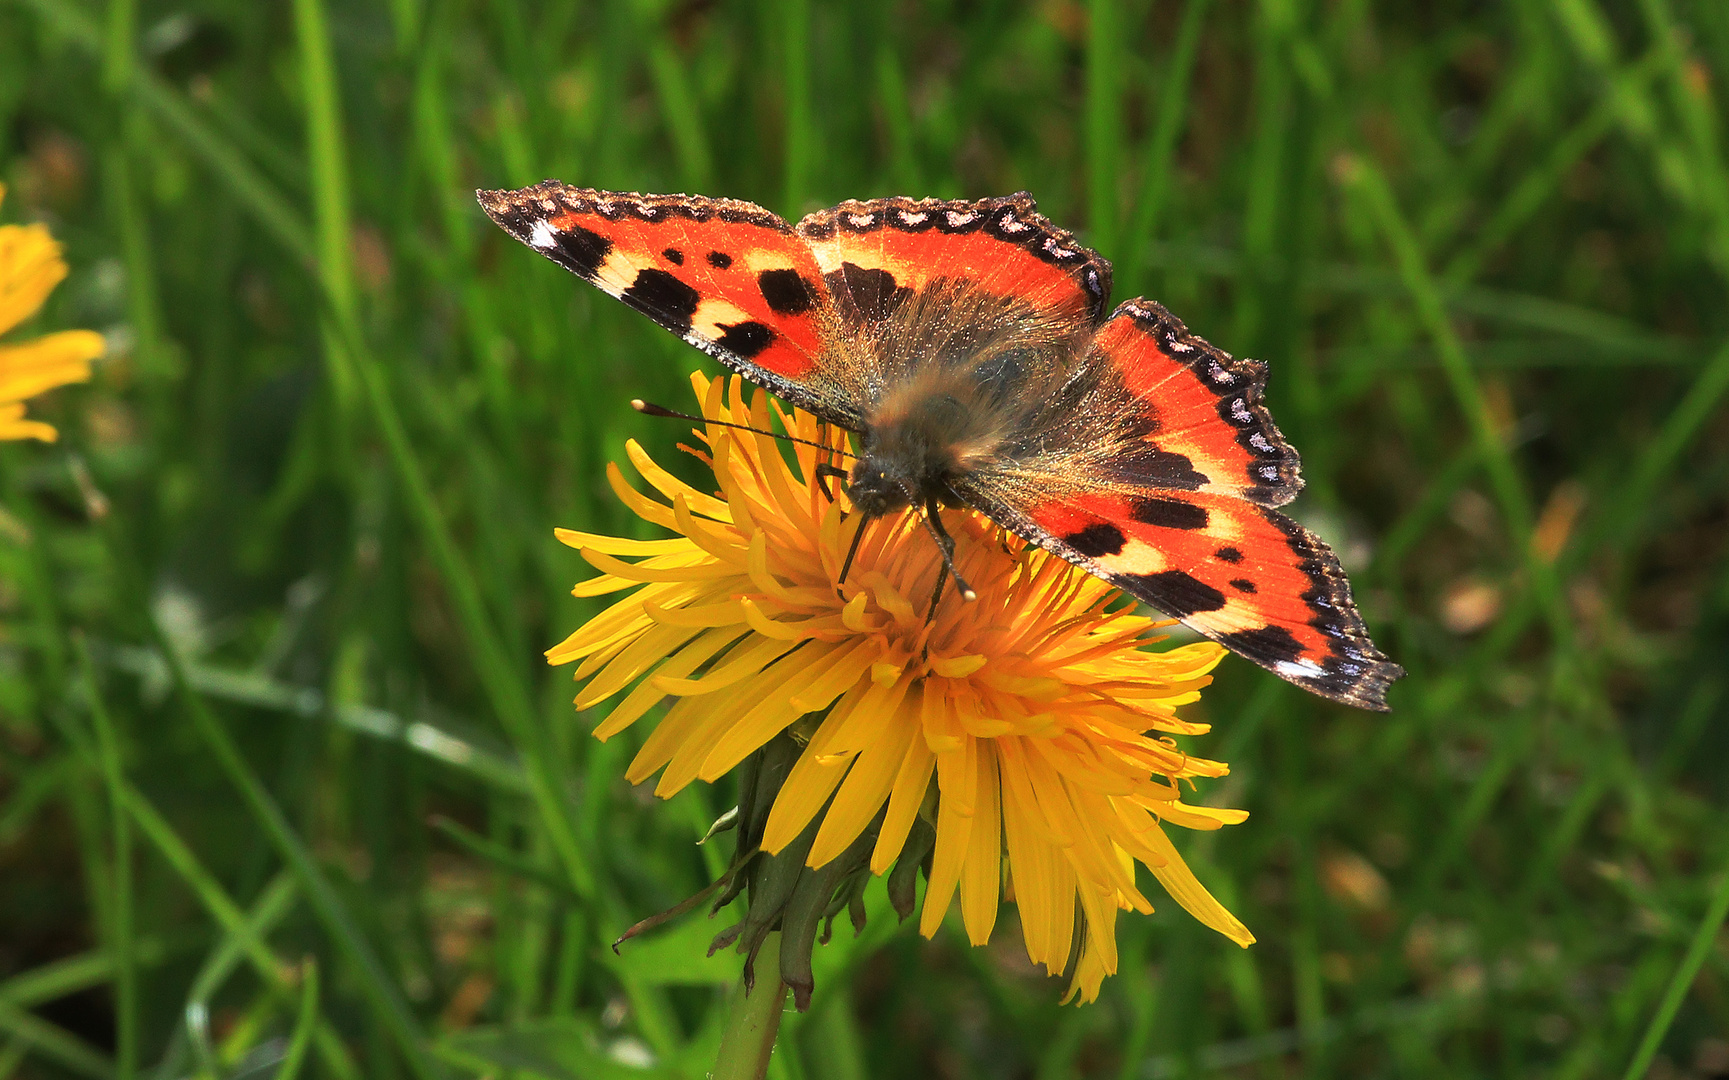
{"points": [[931, 515], [647, 408]]}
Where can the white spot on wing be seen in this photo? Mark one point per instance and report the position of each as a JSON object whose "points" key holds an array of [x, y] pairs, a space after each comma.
{"points": [[1299, 669], [910, 217], [957, 219], [1239, 411], [541, 236], [1259, 442]]}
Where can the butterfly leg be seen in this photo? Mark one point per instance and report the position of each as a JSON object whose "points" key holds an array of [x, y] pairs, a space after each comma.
{"points": [[937, 593], [933, 521], [851, 552], [823, 471]]}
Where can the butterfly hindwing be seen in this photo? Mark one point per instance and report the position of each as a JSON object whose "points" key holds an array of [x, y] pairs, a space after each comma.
{"points": [[1242, 574], [728, 276], [873, 254], [1197, 403]]}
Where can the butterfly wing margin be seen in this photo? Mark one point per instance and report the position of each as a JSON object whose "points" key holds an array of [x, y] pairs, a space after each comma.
{"points": [[1177, 399], [1241, 574], [727, 276], [874, 253]]}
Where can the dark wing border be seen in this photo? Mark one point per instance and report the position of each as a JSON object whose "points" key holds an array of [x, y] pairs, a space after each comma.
{"points": [[1013, 219], [1239, 385], [1355, 673]]}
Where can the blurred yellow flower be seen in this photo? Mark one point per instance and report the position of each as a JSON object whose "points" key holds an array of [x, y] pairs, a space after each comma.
{"points": [[30, 267], [1043, 721]]}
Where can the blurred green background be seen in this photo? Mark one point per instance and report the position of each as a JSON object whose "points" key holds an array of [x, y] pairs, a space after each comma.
{"points": [[1483, 247]]}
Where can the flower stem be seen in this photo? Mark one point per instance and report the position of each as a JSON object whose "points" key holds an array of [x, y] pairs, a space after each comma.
{"points": [[753, 1019]]}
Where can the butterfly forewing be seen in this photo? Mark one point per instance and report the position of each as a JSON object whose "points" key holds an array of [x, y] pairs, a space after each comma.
{"points": [[875, 254], [728, 276]]}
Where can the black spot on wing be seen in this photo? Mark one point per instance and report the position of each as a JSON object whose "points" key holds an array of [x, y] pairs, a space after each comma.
{"points": [[663, 298], [1228, 554], [786, 292], [1169, 513], [866, 295], [673, 256], [1148, 465], [746, 339], [1243, 585], [720, 260], [1176, 593], [1093, 541], [1264, 644], [579, 250]]}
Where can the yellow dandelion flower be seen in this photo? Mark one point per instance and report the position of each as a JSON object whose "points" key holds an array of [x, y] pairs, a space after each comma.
{"points": [[30, 267], [1030, 729]]}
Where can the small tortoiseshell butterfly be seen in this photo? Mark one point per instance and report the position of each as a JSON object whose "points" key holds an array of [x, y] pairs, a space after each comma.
{"points": [[967, 345]]}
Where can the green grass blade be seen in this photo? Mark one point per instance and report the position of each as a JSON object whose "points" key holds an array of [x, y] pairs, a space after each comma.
{"points": [[1173, 115], [1704, 936], [1104, 122], [55, 1043], [683, 118], [329, 166], [304, 1024], [794, 20], [123, 943], [1363, 178]]}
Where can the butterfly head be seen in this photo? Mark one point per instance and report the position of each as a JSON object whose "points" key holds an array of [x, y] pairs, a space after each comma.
{"points": [[873, 491]]}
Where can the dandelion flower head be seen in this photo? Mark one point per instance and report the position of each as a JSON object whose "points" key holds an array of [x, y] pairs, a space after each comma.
{"points": [[30, 268], [1031, 728]]}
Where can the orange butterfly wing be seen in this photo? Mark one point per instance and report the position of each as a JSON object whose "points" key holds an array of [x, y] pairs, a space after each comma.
{"points": [[728, 276], [874, 253], [1195, 534]]}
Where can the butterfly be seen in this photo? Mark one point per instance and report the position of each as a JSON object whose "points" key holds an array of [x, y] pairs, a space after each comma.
{"points": [[967, 345]]}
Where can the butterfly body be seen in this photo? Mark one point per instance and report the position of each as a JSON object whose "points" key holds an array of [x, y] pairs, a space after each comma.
{"points": [[967, 345]]}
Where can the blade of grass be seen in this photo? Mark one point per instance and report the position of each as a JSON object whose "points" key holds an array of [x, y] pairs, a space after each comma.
{"points": [[262, 692], [56, 980], [502, 857], [1162, 146], [1704, 936], [122, 943], [508, 695], [376, 985], [1104, 122], [268, 207], [794, 20], [509, 698], [1366, 181], [272, 905], [12, 1057], [69, 975], [329, 165], [304, 1024], [233, 921], [55, 1043], [683, 119], [1534, 190]]}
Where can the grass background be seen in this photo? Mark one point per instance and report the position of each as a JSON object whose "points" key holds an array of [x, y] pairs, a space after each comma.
{"points": [[1483, 247]]}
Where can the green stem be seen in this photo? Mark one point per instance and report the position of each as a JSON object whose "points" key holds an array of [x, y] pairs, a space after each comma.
{"points": [[753, 1019]]}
